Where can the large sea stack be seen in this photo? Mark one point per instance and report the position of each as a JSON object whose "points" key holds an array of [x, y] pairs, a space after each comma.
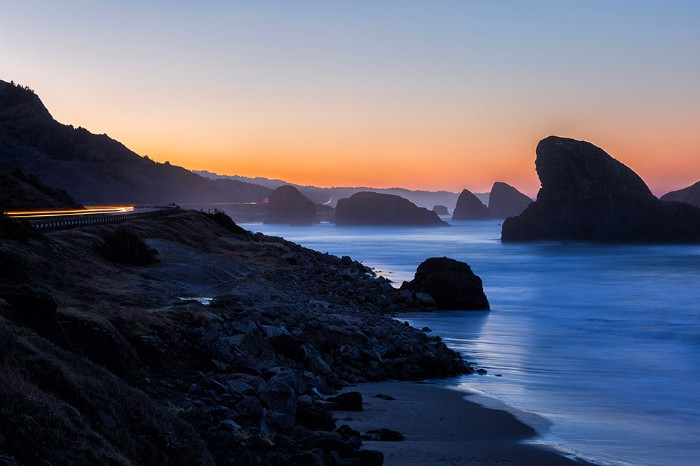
{"points": [[689, 195], [506, 201], [368, 208], [469, 207], [588, 195], [287, 206]]}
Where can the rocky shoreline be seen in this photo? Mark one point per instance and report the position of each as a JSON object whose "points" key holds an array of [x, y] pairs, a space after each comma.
{"points": [[227, 350]]}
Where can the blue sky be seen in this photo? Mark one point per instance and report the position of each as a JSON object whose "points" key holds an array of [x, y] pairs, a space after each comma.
{"points": [[443, 94]]}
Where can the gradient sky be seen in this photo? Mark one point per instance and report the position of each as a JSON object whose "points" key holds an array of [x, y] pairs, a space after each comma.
{"points": [[420, 94]]}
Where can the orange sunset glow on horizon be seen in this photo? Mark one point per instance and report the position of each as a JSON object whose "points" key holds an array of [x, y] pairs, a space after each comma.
{"points": [[404, 94]]}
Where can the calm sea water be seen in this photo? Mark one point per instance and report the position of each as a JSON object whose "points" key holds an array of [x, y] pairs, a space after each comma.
{"points": [[596, 346]]}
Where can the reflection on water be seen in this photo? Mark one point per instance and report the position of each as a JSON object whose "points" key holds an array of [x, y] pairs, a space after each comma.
{"points": [[601, 340]]}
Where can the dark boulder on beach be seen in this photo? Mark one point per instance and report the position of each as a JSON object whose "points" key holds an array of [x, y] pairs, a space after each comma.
{"points": [[288, 206], [588, 195], [441, 210], [689, 195], [368, 208], [506, 201], [469, 207], [451, 283]]}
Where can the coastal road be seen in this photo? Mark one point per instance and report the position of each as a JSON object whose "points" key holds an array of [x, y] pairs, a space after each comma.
{"points": [[90, 215]]}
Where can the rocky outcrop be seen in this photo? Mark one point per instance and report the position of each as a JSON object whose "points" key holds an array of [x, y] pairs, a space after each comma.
{"points": [[469, 207], [452, 284], [287, 206], [689, 195], [368, 208], [506, 201], [441, 210], [588, 195]]}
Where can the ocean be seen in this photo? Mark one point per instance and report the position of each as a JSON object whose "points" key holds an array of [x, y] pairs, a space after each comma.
{"points": [[597, 346]]}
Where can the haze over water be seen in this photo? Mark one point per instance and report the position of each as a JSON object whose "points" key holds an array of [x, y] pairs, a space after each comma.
{"points": [[597, 346]]}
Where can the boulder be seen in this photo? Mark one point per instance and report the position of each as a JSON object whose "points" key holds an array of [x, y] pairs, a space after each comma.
{"points": [[469, 207], [689, 195], [441, 210], [368, 208], [349, 401], [281, 403], [588, 195], [288, 206], [451, 283], [506, 201]]}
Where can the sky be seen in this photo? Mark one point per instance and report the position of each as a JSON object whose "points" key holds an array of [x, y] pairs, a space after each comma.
{"points": [[437, 95]]}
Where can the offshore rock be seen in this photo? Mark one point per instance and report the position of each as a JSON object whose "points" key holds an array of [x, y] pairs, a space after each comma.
{"points": [[469, 207], [288, 206], [588, 195], [368, 208], [506, 201], [451, 283], [689, 195]]}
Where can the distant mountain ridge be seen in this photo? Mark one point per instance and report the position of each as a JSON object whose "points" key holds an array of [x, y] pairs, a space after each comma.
{"points": [[421, 198], [96, 169]]}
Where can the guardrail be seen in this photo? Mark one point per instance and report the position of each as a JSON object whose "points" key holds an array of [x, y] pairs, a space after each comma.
{"points": [[62, 223]]}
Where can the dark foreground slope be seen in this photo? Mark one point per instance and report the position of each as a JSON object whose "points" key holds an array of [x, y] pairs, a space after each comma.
{"points": [[104, 363], [95, 169], [588, 195]]}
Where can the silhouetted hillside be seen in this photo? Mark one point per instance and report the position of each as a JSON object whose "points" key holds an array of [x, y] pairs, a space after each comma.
{"points": [[20, 191], [95, 169]]}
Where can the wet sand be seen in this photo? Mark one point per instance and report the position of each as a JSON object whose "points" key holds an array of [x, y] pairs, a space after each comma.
{"points": [[441, 428]]}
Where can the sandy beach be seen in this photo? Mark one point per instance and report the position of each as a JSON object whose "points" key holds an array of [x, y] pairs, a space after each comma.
{"points": [[441, 428]]}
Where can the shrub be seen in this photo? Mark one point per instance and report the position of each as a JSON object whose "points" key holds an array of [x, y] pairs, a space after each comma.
{"points": [[122, 246], [223, 220]]}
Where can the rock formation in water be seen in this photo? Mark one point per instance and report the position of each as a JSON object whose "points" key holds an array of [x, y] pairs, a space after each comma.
{"points": [[506, 201], [588, 195], [689, 195], [441, 210], [368, 208], [287, 206], [469, 207], [452, 284]]}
